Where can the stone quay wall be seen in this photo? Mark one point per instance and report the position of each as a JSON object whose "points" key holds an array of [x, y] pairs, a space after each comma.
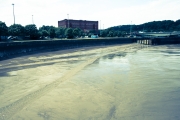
{"points": [[15, 48]]}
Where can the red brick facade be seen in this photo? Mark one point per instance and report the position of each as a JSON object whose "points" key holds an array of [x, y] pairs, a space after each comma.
{"points": [[82, 24]]}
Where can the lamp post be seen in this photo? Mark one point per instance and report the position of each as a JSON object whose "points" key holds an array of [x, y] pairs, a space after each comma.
{"points": [[32, 20], [13, 13], [131, 28], [100, 25], [68, 20]]}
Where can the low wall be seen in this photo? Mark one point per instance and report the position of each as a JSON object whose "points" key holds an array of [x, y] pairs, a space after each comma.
{"points": [[12, 49], [159, 41], [162, 41]]}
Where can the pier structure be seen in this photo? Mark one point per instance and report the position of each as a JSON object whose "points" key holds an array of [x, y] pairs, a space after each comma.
{"points": [[159, 41]]}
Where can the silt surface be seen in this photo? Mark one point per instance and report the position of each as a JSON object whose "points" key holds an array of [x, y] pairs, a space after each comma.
{"points": [[122, 82]]}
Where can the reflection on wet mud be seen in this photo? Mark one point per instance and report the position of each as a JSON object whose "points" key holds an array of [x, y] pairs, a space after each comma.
{"points": [[111, 56], [125, 82]]}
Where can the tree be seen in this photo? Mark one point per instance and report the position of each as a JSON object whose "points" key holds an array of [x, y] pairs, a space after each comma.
{"points": [[76, 32], [45, 33], [103, 33], [93, 32], [154, 26], [123, 33], [59, 32], [3, 29], [32, 31], [110, 34], [115, 33], [51, 31], [82, 33], [69, 33], [16, 30], [44, 28], [119, 34], [177, 25]]}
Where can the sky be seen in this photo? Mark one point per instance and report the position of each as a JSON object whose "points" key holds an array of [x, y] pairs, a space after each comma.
{"points": [[108, 12]]}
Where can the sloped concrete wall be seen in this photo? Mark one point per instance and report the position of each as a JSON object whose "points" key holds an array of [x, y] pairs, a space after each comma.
{"points": [[11, 49]]}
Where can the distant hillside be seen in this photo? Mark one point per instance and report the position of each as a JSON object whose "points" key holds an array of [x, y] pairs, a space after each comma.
{"points": [[155, 26]]}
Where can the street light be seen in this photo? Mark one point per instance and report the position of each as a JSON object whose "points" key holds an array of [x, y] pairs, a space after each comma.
{"points": [[13, 13], [100, 25], [68, 20], [32, 19], [131, 28]]}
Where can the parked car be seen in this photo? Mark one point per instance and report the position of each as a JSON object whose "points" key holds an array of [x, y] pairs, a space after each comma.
{"points": [[12, 38], [94, 36]]}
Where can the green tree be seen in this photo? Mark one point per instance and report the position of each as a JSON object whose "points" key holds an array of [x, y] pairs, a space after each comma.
{"points": [[51, 31], [3, 29], [93, 32], [103, 33], [45, 33], [110, 34], [119, 34], [177, 25], [44, 28], [69, 33], [16, 30], [123, 34], [32, 31], [76, 32], [59, 32], [82, 33], [115, 33]]}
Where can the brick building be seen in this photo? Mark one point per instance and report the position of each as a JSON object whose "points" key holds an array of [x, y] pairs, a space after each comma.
{"points": [[82, 24]]}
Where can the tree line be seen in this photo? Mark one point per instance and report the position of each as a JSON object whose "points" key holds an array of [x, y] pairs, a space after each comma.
{"points": [[154, 26], [31, 31]]}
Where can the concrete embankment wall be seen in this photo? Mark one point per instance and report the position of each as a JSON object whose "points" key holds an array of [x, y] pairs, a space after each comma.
{"points": [[12, 49], [162, 41], [159, 41]]}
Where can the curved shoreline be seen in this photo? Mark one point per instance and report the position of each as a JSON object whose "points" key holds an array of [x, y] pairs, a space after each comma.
{"points": [[13, 49]]}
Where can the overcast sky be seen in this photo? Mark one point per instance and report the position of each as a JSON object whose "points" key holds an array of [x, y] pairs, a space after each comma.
{"points": [[107, 12]]}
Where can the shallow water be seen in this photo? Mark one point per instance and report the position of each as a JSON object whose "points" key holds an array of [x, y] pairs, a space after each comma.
{"points": [[129, 83]]}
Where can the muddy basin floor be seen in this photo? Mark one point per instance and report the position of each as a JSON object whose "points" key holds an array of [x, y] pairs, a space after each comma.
{"points": [[122, 82]]}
